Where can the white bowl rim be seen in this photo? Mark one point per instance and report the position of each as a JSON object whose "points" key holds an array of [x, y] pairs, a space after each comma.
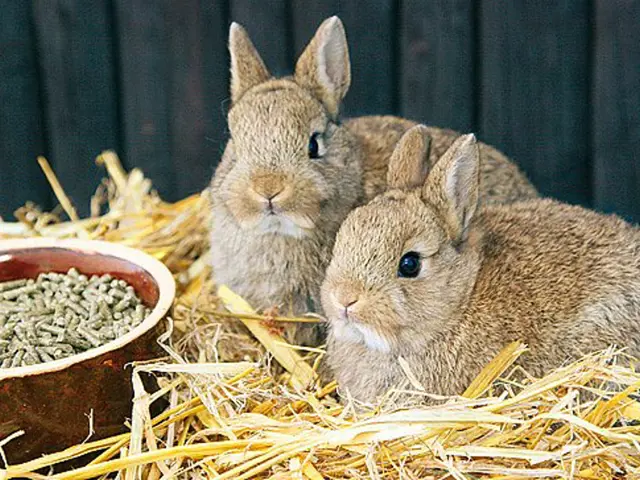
{"points": [[158, 271]]}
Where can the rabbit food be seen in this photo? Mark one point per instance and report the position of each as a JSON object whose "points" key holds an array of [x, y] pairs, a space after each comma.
{"points": [[59, 315]]}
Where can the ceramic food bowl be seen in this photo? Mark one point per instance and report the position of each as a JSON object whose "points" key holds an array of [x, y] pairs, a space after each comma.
{"points": [[51, 402]]}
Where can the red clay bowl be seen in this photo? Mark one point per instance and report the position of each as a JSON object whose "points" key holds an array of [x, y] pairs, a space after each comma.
{"points": [[51, 402]]}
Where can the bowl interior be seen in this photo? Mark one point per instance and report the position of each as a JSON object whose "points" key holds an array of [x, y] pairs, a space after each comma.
{"points": [[29, 263], [50, 401]]}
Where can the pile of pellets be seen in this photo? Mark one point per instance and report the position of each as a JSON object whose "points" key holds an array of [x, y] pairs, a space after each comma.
{"points": [[58, 315]]}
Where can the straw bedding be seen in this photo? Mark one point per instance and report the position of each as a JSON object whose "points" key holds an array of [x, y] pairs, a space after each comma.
{"points": [[232, 416]]}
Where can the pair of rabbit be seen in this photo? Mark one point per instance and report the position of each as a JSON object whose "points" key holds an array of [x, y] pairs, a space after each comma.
{"points": [[421, 272], [292, 171]]}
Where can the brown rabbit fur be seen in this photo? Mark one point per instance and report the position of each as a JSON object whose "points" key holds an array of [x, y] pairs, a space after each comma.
{"points": [[563, 279], [275, 209]]}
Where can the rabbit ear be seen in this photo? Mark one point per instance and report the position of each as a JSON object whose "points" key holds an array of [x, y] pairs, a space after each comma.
{"points": [[409, 161], [452, 186], [247, 68], [324, 65]]}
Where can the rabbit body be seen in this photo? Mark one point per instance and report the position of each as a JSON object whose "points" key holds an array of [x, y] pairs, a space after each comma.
{"points": [[501, 180], [561, 278], [292, 171]]}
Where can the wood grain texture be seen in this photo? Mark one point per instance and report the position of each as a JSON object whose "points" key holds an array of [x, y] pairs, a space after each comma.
{"points": [[75, 42], [307, 15], [554, 84], [370, 26], [437, 66], [616, 112], [21, 124], [198, 31], [145, 89], [174, 82], [371, 35], [268, 24], [534, 90]]}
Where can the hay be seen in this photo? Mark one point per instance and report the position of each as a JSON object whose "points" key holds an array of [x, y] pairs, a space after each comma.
{"points": [[231, 417]]}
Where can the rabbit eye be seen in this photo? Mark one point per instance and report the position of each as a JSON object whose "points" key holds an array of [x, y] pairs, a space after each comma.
{"points": [[316, 145], [409, 266]]}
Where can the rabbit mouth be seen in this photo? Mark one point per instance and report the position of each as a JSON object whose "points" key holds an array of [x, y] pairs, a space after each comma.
{"points": [[350, 330], [271, 217], [272, 222]]}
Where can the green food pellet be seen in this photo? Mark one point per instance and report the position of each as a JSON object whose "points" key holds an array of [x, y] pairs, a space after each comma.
{"points": [[12, 284], [17, 359], [58, 315]]}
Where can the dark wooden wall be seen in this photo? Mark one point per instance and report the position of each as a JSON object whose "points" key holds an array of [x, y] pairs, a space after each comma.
{"points": [[553, 83]]}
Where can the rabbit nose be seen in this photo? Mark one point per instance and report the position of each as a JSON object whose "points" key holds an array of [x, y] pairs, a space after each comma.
{"points": [[268, 187], [269, 196], [347, 301], [350, 303]]}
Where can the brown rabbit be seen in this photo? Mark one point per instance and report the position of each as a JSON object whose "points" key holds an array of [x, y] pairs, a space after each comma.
{"points": [[292, 171], [420, 273]]}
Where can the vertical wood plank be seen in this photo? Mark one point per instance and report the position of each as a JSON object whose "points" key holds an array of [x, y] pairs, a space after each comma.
{"points": [[198, 33], [370, 27], [616, 113], [268, 24], [174, 83], [144, 69], [307, 15], [21, 125], [535, 88], [437, 62], [75, 45]]}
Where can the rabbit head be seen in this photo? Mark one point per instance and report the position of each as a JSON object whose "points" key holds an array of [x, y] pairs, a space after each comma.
{"points": [[406, 261], [291, 159]]}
